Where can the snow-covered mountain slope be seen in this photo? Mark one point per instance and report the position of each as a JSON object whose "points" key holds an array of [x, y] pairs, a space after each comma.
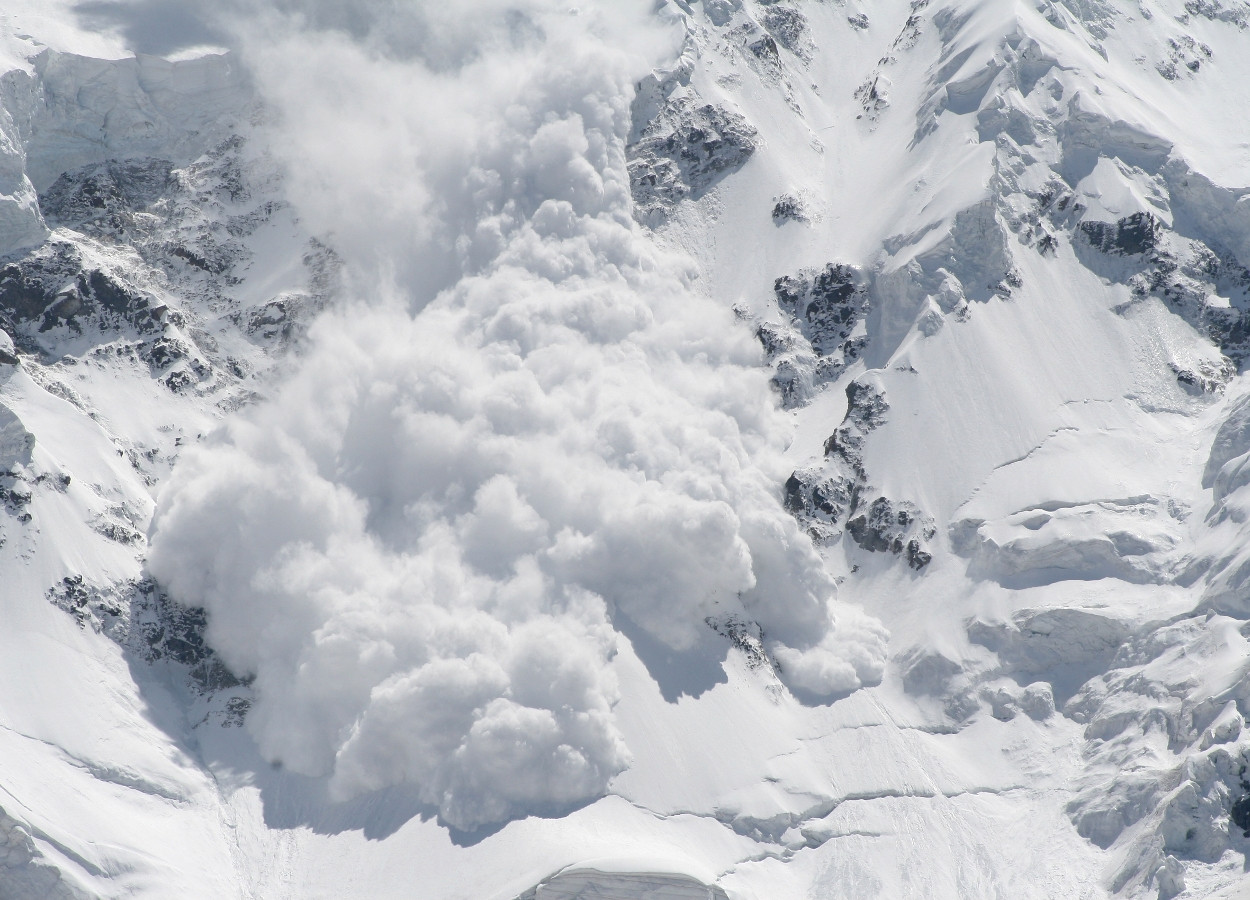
{"points": [[733, 449], [145, 294]]}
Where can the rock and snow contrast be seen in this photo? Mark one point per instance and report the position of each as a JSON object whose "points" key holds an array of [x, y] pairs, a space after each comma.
{"points": [[704, 449]]}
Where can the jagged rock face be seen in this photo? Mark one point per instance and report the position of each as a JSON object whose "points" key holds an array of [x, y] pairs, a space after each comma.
{"points": [[1131, 236], [823, 332], [789, 27], [819, 501], [887, 527], [34, 293], [1200, 278], [152, 254], [142, 619], [832, 498], [683, 152], [827, 306], [823, 497]]}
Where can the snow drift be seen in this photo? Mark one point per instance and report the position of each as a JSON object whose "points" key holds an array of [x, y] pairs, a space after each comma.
{"points": [[527, 432]]}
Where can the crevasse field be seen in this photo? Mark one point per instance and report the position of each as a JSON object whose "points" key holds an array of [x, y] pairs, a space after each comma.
{"points": [[679, 450]]}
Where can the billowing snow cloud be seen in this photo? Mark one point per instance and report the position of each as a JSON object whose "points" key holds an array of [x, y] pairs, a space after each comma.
{"points": [[526, 427]]}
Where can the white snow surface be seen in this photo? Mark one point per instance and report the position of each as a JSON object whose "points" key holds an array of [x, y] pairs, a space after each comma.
{"points": [[480, 483]]}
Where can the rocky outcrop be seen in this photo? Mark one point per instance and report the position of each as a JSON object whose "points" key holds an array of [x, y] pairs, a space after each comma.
{"points": [[1130, 236], [149, 626], [891, 527], [822, 332], [147, 260], [832, 498], [788, 27], [826, 305], [789, 208], [683, 152]]}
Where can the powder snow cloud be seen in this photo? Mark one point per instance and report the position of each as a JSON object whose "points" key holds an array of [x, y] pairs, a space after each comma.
{"points": [[525, 427]]}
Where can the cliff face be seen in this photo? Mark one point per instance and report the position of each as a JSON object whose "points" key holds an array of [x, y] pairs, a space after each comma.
{"points": [[737, 449]]}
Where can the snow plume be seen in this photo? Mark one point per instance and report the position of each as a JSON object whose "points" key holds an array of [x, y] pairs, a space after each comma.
{"points": [[528, 428]]}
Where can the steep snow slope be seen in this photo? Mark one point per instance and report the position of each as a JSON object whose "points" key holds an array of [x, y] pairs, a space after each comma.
{"points": [[521, 581], [163, 266], [1034, 359]]}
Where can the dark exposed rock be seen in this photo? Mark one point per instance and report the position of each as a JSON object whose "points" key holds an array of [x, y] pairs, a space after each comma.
{"points": [[1196, 276], [1131, 236], [794, 365], [64, 300], [747, 637], [821, 497], [789, 27], [1233, 13], [820, 501], [682, 153], [795, 378], [34, 290], [215, 266], [122, 534], [14, 498], [1239, 815], [282, 319], [1205, 377], [134, 202], [890, 527], [1185, 57], [163, 352], [827, 304], [775, 339], [23, 295], [179, 381], [798, 373], [145, 622], [873, 96], [866, 408], [824, 334], [788, 208], [1189, 276], [106, 196], [764, 48], [831, 497]]}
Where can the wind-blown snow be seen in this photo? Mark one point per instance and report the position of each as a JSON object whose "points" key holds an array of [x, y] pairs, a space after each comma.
{"points": [[423, 547]]}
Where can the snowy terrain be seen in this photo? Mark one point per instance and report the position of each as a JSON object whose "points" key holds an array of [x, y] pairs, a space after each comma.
{"points": [[716, 449]]}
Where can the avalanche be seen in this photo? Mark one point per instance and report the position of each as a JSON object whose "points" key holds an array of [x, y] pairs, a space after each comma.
{"points": [[726, 449]]}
